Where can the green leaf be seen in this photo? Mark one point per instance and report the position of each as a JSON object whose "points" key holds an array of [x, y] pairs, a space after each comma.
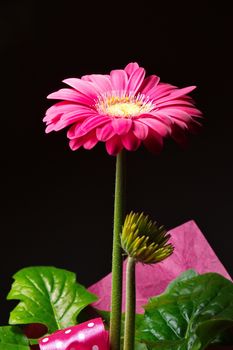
{"points": [[184, 276], [140, 346], [189, 315], [49, 296], [12, 338]]}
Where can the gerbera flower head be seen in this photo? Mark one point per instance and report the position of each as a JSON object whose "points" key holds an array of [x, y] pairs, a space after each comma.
{"points": [[144, 240], [123, 109]]}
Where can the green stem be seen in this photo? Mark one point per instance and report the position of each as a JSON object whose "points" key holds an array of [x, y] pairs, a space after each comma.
{"points": [[116, 300], [130, 306]]}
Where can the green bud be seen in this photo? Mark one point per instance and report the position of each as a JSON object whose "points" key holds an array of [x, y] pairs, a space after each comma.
{"points": [[144, 240]]}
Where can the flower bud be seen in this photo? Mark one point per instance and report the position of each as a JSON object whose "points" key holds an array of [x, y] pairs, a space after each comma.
{"points": [[144, 240]]}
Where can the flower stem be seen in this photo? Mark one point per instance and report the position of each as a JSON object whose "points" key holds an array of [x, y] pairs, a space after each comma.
{"points": [[130, 306], [116, 300]]}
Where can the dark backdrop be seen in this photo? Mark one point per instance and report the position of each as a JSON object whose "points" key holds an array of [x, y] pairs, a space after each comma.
{"points": [[57, 205]]}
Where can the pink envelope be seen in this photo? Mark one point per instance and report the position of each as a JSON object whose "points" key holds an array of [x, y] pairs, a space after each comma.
{"points": [[192, 251]]}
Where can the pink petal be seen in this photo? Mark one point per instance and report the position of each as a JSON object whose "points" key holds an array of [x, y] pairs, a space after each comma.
{"points": [[76, 144], [149, 84], [71, 133], [105, 132], [88, 141], [52, 119], [85, 87], [119, 79], [171, 103], [130, 141], [101, 82], [86, 77], [177, 113], [70, 118], [49, 128], [156, 125], [67, 112], [176, 93], [121, 126], [60, 107], [136, 80], [80, 110], [181, 124], [153, 142], [161, 90], [140, 130], [70, 95], [51, 124], [131, 67], [91, 142], [114, 145], [91, 123], [192, 111], [162, 116]]}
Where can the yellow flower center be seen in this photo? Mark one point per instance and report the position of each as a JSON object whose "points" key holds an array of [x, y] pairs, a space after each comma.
{"points": [[124, 106], [123, 109]]}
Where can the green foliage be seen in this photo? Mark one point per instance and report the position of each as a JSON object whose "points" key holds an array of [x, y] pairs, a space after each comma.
{"points": [[12, 338], [48, 295], [189, 315]]}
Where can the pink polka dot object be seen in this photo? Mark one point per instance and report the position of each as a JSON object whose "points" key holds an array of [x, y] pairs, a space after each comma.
{"points": [[90, 335]]}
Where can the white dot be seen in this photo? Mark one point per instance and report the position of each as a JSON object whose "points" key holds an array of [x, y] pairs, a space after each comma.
{"points": [[59, 344], [68, 331], [81, 336], [91, 324], [45, 340], [95, 347]]}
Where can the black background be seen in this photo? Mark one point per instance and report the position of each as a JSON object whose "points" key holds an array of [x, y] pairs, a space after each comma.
{"points": [[57, 205]]}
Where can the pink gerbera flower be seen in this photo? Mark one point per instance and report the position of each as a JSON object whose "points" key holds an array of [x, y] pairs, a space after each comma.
{"points": [[122, 109]]}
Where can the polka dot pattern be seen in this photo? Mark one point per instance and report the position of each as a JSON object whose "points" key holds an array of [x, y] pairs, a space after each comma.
{"points": [[59, 344], [91, 324], [45, 340], [91, 335], [81, 336]]}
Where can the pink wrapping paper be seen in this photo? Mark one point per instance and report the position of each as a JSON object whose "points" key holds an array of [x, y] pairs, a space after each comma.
{"points": [[192, 251]]}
